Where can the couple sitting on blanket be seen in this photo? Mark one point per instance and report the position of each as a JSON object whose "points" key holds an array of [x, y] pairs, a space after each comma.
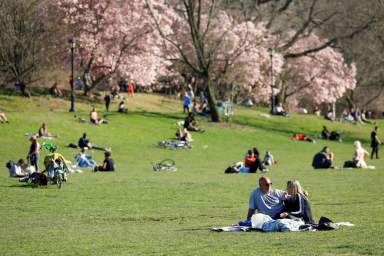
{"points": [[279, 204]]}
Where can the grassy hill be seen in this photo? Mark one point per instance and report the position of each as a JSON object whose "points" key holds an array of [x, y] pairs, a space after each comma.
{"points": [[135, 211]]}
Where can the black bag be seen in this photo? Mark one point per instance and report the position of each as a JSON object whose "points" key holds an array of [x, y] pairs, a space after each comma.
{"points": [[326, 224], [230, 170], [38, 179], [349, 164], [335, 136]]}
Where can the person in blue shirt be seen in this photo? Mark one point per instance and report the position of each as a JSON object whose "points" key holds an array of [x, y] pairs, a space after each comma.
{"points": [[266, 200]]}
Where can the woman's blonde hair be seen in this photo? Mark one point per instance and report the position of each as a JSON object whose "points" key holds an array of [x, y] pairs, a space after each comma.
{"points": [[296, 187], [357, 144]]}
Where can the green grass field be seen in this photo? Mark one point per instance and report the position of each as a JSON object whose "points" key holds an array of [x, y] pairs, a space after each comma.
{"points": [[136, 211]]}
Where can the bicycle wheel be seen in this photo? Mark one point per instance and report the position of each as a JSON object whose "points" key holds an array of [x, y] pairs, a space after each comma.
{"points": [[59, 180], [167, 163]]}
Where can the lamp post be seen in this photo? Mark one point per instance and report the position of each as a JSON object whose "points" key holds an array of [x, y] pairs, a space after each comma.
{"points": [[72, 45], [271, 52]]}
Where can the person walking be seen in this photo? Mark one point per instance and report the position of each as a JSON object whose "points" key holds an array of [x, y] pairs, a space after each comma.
{"points": [[375, 142], [107, 100], [34, 153]]}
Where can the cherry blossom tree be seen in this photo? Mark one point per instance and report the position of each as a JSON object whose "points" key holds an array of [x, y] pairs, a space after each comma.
{"points": [[114, 36], [322, 76], [215, 48]]}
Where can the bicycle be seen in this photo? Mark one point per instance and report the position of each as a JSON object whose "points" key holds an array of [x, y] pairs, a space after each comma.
{"points": [[165, 165]]}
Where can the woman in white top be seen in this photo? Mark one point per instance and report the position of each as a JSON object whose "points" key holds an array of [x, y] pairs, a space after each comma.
{"points": [[360, 153]]}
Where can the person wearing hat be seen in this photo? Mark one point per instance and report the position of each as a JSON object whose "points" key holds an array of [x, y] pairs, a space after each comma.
{"points": [[34, 152]]}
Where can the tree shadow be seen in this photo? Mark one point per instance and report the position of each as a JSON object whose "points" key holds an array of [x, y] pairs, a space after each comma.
{"points": [[173, 116]]}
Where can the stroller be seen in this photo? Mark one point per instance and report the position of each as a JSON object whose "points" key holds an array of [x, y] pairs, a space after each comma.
{"points": [[56, 169]]}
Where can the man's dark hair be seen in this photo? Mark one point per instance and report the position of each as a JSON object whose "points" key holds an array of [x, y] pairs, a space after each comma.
{"points": [[84, 135], [21, 161], [107, 154]]}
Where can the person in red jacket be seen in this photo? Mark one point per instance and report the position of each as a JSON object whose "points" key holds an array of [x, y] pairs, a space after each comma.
{"points": [[131, 88]]}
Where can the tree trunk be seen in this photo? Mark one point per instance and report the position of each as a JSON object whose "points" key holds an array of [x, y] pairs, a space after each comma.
{"points": [[215, 117]]}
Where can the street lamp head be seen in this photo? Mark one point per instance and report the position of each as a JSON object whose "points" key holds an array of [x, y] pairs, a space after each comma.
{"points": [[72, 42]]}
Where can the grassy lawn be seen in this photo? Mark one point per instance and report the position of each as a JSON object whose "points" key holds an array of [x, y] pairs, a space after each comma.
{"points": [[135, 211]]}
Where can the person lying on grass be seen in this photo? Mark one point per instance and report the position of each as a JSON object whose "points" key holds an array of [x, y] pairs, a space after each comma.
{"points": [[296, 204], [302, 137], [18, 170], [323, 159], [108, 164]]}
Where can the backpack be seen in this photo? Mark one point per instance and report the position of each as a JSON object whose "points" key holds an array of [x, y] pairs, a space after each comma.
{"points": [[38, 179], [326, 224], [349, 164]]}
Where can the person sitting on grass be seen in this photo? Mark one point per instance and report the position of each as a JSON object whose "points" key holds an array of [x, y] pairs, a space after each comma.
{"points": [[252, 162], [190, 123], [302, 137], [43, 132], [266, 200], [94, 117], [186, 136], [122, 108], [84, 160], [323, 159], [325, 133], [85, 143], [365, 117], [296, 204], [17, 170], [360, 154], [55, 91], [3, 118], [108, 164], [280, 111], [250, 158], [268, 159]]}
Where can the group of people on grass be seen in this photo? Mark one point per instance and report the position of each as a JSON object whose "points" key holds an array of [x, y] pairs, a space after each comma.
{"points": [[191, 104], [121, 86], [26, 167], [189, 125], [353, 116], [252, 163], [325, 158]]}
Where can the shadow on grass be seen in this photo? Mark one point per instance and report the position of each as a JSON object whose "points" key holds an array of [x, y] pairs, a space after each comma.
{"points": [[289, 131], [173, 116]]}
